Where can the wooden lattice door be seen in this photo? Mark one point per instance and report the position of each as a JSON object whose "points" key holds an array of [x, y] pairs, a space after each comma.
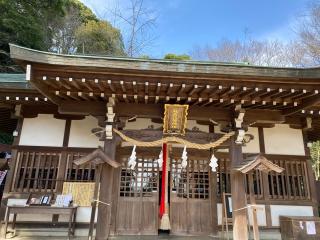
{"points": [[137, 211], [190, 198]]}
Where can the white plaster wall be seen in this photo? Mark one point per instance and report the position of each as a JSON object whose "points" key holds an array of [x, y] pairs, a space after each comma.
{"points": [[80, 133], [286, 210], [282, 139], [253, 146], [44, 130], [142, 123], [261, 215]]}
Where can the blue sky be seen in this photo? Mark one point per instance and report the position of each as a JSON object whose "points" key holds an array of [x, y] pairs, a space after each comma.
{"points": [[182, 24]]}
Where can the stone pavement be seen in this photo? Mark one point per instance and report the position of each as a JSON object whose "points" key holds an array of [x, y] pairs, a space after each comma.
{"points": [[264, 235]]}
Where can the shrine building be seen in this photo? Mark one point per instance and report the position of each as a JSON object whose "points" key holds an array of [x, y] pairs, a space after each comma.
{"points": [[165, 139]]}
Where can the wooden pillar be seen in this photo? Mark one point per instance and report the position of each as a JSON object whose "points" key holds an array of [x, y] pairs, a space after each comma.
{"points": [[311, 177], [265, 181], [254, 209], [104, 211], [213, 193], [213, 201], [239, 201], [312, 186], [63, 158]]}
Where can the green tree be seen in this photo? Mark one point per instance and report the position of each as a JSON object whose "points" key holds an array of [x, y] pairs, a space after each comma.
{"points": [[64, 28], [99, 37], [177, 57], [315, 157], [25, 23]]}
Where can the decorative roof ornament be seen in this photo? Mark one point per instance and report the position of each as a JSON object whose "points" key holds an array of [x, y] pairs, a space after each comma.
{"points": [[132, 161], [184, 158], [213, 163]]}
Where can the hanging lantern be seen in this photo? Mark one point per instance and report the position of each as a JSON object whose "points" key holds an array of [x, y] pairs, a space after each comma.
{"points": [[213, 163], [132, 161], [184, 158]]}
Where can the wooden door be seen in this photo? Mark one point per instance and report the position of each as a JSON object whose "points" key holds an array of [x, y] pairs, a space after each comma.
{"points": [[191, 210], [137, 211]]}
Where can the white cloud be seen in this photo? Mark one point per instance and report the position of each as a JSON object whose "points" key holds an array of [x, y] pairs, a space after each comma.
{"points": [[285, 32], [174, 3]]}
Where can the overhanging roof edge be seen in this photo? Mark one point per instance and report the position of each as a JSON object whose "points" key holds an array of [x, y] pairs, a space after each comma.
{"points": [[36, 56]]}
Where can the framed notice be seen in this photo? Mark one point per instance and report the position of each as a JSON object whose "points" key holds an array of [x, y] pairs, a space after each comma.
{"points": [[36, 200], [227, 201]]}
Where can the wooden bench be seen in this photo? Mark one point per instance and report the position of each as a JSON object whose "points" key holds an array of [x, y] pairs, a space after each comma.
{"points": [[71, 211]]}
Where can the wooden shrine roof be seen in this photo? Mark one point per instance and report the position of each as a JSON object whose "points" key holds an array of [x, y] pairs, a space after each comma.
{"points": [[73, 78], [258, 162], [194, 67], [76, 84], [97, 157]]}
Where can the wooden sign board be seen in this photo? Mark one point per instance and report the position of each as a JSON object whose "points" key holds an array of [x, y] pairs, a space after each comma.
{"points": [[82, 192], [175, 119]]}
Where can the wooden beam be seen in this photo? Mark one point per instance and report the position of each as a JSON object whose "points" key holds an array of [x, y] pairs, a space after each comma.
{"points": [[308, 102], [44, 90], [82, 108], [156, 110], [264, 116]]}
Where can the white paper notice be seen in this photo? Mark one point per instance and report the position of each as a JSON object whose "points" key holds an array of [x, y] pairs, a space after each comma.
{"points": [[230, 203], [311, 227], [301, 224]]}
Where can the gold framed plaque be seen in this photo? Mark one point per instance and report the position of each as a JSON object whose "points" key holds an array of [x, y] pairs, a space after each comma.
{"points": [[175, 119]]}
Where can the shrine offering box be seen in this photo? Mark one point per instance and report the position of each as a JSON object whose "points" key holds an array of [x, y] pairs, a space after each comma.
{"points": [[299, 228]]}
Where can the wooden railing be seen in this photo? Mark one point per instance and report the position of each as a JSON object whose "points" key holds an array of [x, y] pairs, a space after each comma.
{"points": [[36, 171], [41, 169]]}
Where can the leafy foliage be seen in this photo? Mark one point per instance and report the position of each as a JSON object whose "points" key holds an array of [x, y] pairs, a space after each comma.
{"points": [[99, 37], [25, 23], [64, 28], [177, 57], [52, 26], [315, 157]]}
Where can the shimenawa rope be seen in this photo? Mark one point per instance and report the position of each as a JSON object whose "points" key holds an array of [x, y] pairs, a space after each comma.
{"points": [[176, 140]]}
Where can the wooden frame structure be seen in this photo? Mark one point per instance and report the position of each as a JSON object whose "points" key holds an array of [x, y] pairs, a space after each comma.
{"points": [[249, 166], [114, 90]]}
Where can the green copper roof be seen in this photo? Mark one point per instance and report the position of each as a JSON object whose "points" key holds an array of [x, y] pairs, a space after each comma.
{"points": [[11, 78]]}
